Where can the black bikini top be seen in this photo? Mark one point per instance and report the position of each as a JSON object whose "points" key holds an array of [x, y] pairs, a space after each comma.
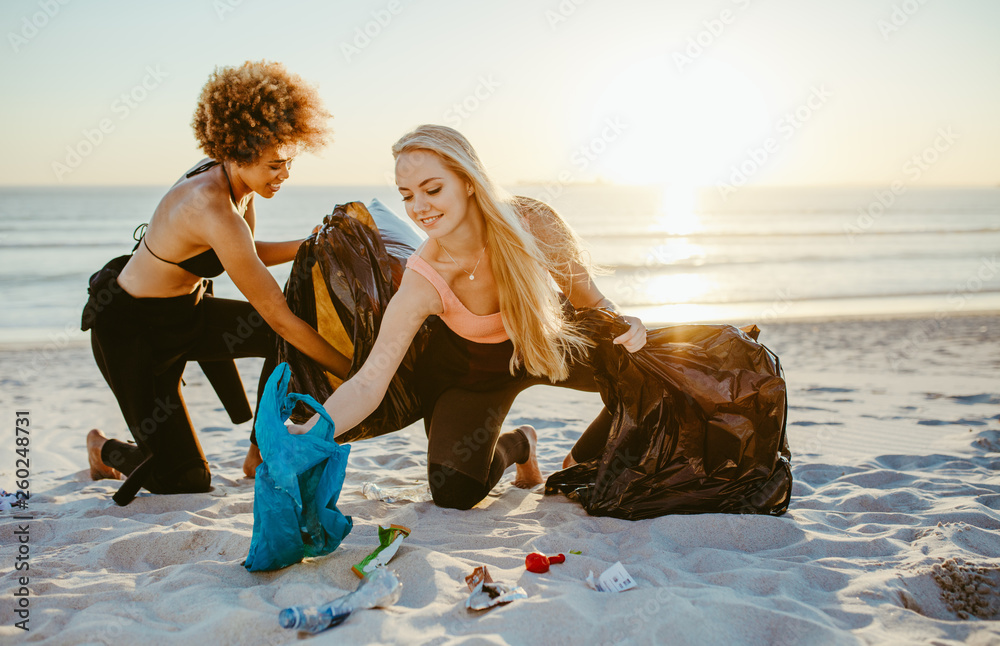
{"points": [[207, 263]]}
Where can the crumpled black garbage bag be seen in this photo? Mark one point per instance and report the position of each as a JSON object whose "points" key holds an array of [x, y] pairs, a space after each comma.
{"points": [[340, 283], [698, 425]]}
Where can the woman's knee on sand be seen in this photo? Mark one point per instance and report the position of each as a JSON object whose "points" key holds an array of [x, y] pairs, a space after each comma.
{"points": [[452, 489]]}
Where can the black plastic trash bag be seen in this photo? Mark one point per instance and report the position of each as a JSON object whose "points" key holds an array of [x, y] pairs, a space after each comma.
{"points": [[340, 283], [698, 425]]}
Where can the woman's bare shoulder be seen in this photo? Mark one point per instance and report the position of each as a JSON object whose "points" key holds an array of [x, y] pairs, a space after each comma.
{"points": [[531, 209], [196, 207], [419, 294], [202, 195], [184, 175], [543, 222]]}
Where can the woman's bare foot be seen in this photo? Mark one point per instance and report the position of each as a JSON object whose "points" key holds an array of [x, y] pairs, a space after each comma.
{"points": [[568, 461], [528, 474], [252, 461], [99, 470]]}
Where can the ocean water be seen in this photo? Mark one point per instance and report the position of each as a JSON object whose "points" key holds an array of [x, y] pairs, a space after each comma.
{"points": [[664, 254]]}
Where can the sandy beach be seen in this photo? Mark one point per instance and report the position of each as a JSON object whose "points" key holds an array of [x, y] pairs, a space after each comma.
{"points": [[891, 537], [730, 162]]}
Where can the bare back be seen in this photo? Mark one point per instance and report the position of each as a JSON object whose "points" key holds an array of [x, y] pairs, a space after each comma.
{"points": [[175, 233]]}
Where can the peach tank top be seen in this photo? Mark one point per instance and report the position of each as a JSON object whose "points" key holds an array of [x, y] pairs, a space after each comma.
{"points": [[458, 318]]}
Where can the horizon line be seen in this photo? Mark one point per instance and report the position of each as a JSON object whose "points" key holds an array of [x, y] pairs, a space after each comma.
{"points": [[543, 183]]}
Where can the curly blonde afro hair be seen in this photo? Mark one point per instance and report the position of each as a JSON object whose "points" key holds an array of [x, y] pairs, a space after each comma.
{"points": [[243, 111]]}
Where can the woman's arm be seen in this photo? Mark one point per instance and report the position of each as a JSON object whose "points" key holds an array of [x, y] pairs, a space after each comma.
{"points": [[558, 241], [276, 253], [357, 397], [271, 253], [584, 293], [231, 238]]}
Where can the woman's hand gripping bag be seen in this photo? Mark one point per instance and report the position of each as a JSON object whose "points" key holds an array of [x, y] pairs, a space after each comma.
{"points": [[340, 283], [295, 511]]}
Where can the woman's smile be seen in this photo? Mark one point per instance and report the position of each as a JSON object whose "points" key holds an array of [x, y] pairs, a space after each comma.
{"points": [[429, 220]]}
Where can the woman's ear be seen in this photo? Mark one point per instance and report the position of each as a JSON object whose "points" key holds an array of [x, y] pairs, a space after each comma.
{"points": [[468, 189]]}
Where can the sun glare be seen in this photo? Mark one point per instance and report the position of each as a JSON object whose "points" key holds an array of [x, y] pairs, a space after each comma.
{"points": [[677, 288], [678, 128], [679, 211]]}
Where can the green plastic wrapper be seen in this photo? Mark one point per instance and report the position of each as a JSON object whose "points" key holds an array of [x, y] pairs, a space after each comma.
{"points": [[389, 541]]}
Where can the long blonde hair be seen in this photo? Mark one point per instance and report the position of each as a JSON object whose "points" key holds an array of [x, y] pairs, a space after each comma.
{"points": [[544, 339]]}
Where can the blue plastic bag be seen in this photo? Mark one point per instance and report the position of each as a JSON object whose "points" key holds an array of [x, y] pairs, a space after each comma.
{"points": [[295, 511]]}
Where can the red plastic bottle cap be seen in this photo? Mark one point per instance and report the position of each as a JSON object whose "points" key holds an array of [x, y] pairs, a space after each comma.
{"points": [[535, 562], [539, 563]]}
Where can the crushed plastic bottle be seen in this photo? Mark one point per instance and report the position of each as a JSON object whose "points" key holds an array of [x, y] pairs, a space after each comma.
{"points": [[415, 493], [311, 619], [380, 589]]}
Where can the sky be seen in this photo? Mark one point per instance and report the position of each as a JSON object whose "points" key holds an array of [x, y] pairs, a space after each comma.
{"points": [[724, 93]]}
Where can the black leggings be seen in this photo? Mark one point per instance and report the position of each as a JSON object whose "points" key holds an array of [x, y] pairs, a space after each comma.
{"points": [[467, 455], [141, 346]]}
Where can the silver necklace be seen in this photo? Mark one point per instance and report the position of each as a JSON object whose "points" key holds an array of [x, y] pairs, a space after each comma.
{"points": [[472, 274]]}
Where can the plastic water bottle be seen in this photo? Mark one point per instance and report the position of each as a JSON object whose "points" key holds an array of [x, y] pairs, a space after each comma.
{"points": [[310, 619], [380, 589], [416, 493]]}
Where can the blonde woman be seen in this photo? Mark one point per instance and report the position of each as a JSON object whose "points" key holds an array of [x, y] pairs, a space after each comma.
{"points": [[485, 272]]}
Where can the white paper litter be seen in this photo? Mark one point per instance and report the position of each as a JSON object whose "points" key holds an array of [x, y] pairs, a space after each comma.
{"points": [[614, 579]]}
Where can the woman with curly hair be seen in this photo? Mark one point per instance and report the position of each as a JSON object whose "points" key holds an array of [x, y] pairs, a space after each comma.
{"points": [[485, 272], [150, 313]]}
